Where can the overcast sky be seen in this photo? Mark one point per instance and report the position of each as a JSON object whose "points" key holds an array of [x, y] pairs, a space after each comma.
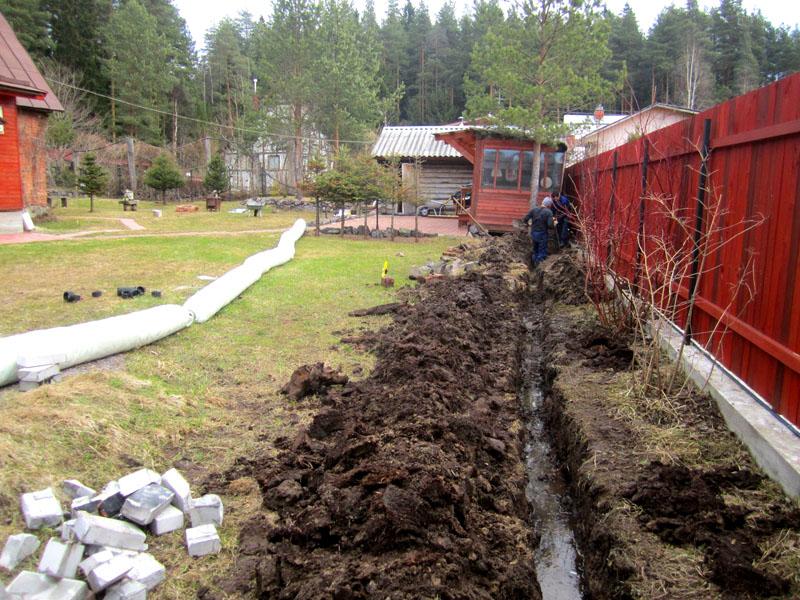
{"points": [[202, 15]]}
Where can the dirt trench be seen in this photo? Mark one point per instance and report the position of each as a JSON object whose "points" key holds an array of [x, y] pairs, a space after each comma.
{"points": [[411, 483]]}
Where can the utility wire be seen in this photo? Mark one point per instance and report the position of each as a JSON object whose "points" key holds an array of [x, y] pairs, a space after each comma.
{"points": [[195, 120]]}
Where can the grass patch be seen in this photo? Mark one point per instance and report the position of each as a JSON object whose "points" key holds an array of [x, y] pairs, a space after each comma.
{"points": [[40, 272], [108, 211], [204, 396]]}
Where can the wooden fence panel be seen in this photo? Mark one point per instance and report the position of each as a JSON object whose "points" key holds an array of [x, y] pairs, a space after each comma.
{"points": [[749, 287]]}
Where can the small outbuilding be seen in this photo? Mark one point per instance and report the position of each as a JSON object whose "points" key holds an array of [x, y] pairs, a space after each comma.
{"points": [[502, 173], [25, 102], [434, 167]]}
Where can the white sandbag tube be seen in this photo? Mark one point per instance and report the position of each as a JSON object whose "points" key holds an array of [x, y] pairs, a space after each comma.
{"points": [[80, 343], [68, 346], [216, 295]]}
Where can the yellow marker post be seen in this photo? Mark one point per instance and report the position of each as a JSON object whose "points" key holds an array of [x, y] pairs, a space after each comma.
{"points": [[385, 269]]}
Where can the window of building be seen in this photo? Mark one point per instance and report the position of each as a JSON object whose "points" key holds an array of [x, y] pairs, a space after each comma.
{"points": [[507, 170], [489, 167], [274, 162], [513, 169]]}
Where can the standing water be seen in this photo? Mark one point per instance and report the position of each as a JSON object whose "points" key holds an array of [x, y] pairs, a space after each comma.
{"points": [[556, 558]]}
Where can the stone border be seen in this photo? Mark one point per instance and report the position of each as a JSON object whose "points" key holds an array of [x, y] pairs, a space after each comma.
{"points": [[770, 439]]}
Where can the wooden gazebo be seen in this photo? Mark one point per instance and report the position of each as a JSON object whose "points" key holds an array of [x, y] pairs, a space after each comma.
{"points": [[501, 174]]}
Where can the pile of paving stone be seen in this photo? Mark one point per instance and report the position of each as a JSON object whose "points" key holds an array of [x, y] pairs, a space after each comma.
{"points": [[375, 233], [449, 266], [102, 546]]}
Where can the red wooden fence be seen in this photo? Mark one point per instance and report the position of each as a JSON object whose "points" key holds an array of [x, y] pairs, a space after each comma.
{"points": [[753, 173]]}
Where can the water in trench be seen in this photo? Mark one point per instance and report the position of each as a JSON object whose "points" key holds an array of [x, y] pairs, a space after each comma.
{"points": [[556, 557]]}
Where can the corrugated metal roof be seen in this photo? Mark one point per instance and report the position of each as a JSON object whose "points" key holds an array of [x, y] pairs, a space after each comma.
{"points": [[17, 72], [415, 142]]}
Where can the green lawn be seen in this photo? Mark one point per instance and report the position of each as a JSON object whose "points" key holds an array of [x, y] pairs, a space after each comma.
{"points": [[206, 395], [108, 211]]}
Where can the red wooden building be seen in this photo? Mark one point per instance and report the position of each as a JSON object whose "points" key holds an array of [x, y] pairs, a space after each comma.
{"points": [[501, 174], [25, 102]]}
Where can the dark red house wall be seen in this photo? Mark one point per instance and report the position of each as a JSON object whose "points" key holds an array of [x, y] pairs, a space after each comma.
{"points": [[33, 158], [10, 184]]}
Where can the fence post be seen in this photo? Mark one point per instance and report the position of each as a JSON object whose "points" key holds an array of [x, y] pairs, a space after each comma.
{"points": [[611, 206], [131, 163], [640, 233], [698, 224]]}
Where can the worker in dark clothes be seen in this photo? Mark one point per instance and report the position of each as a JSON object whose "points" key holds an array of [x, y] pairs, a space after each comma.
{"points": [[541, 220], [562, 209]]}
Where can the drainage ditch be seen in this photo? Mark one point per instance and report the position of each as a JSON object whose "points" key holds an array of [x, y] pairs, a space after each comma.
{"points": [[556, 558]]}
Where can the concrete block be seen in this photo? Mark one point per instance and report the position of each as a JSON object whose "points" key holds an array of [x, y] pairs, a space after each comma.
{"points": [[60, 559], [18, 547], [27, 386], [169, 519], [147, 571], [41, 509], [28, 360], [203, 540], [143, 505], [126, 590], [75, 489], [118, 551], [108, 573], [174, 481], [38, 374], [101, 531], [137, 480], [206, 509], [110, 500], [67, 531], [88, 504], [37, 586], [96, 559]]}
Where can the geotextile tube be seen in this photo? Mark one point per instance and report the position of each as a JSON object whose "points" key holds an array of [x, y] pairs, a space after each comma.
{"points": [[89, 341], [212, 298], [84, 342]]}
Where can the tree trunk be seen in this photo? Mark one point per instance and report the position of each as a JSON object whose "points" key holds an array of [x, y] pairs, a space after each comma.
{"points": [[342, 215], [175, 126], [113, 114], [317, 228], [537, 151], [298, 150], [366, 214], [91, 202]]}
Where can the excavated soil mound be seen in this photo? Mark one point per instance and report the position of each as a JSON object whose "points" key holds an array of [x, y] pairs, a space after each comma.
{"points": [[410, 483], [685, 506], [564, 280]]}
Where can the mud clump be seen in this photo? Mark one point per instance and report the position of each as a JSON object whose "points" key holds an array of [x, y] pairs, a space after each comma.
{"points": [[312, 379], [564, 280], [603, 350], [409, 483], [685, 506]]}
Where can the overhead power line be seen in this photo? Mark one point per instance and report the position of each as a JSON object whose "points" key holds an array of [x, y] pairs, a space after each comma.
{"points": [[260, 132]]}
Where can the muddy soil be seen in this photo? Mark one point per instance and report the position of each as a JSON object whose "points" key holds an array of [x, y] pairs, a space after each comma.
{"points": [[667, 503], [409, 483]]}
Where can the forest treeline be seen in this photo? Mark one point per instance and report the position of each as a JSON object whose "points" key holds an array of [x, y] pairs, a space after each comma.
{"points": [[322, 66]]}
